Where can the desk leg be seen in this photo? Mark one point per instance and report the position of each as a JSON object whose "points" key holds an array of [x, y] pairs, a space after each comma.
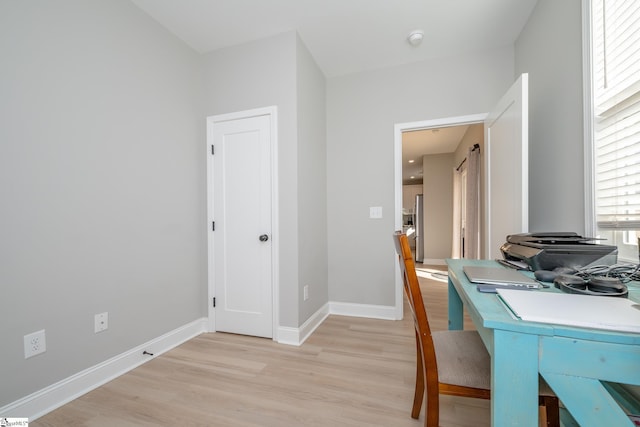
{"points": [[588, 401], [514, 379], [455, 309]]}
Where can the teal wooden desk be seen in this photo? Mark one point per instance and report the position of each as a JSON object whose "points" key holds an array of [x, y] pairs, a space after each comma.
{"points": [[573, 361]]}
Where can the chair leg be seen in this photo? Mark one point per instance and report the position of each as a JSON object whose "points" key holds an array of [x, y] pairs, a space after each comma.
{"points": [[432, 411], [552, 409], [418, 396]]}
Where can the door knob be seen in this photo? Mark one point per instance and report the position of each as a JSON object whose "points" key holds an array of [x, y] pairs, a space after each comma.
{"points": [[264, 238]]}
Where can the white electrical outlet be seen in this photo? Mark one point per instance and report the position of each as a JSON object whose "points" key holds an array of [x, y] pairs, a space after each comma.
{"points": [[101, 322], [305, 292], [34, 343]]}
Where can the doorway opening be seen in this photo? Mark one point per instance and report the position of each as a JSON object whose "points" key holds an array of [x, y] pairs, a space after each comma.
{"points": [[430, 159]]}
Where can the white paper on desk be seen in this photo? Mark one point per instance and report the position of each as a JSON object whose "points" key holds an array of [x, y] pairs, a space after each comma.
{"points": [[609, 313]]}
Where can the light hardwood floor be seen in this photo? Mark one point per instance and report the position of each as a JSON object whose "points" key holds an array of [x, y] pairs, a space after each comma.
{"points": [[350, 372]]}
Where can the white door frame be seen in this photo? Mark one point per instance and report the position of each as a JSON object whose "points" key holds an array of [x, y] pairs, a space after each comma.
{"points": [[272, 112], [397, 140]]}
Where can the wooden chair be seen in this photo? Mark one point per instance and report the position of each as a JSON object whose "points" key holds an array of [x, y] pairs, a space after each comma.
{"points": [[450, 362]]}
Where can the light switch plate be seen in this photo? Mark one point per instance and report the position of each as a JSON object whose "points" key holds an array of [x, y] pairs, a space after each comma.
{"points": [[375, 212]]}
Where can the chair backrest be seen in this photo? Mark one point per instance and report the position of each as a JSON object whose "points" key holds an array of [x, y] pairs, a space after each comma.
{"points": [[414, 295]]}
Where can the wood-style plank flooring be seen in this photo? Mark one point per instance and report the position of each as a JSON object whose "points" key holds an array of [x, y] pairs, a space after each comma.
{"points": [[350, 372]]}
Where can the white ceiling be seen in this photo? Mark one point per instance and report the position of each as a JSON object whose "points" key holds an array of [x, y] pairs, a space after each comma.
{"points": [[350, 36], [416, 144]]}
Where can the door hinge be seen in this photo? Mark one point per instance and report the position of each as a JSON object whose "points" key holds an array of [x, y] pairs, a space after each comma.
{"points": [[213, 226], [212, 150], [214, 302]]}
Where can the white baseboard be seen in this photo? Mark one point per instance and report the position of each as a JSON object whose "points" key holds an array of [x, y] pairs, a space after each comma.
{"points": [[434, 261], [296, 336], [387, 312], [49, 398]]}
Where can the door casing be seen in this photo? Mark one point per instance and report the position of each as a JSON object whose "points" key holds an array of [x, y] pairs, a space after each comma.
{"points": [[398, 130]]}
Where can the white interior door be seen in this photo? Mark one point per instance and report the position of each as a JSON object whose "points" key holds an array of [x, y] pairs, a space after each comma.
{"points": [[506, 166], [240, 246]]}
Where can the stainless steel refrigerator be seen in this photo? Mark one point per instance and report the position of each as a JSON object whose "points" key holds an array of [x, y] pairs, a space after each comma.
{"points": [[418, 222]]}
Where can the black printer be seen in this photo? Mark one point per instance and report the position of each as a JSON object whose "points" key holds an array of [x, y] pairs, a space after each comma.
{"points": [[546, 251]]}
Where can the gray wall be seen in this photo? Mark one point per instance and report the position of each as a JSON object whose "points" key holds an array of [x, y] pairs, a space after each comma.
{"points": [[362, 110], [550, 50], [438, 206], [312, 184], [102, 185]]}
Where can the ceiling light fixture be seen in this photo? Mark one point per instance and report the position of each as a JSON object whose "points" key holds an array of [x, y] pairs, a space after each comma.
{"points": [[411, 161], [415, 37]]}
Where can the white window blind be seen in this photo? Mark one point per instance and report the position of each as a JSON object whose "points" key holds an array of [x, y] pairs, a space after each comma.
{"points": [[616, 96]]}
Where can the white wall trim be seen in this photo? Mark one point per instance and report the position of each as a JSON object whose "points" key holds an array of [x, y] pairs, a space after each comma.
{"points": [[587, 102], [386, 312], [297, 336], [52, 397], [434, 261], [397, 150]]}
